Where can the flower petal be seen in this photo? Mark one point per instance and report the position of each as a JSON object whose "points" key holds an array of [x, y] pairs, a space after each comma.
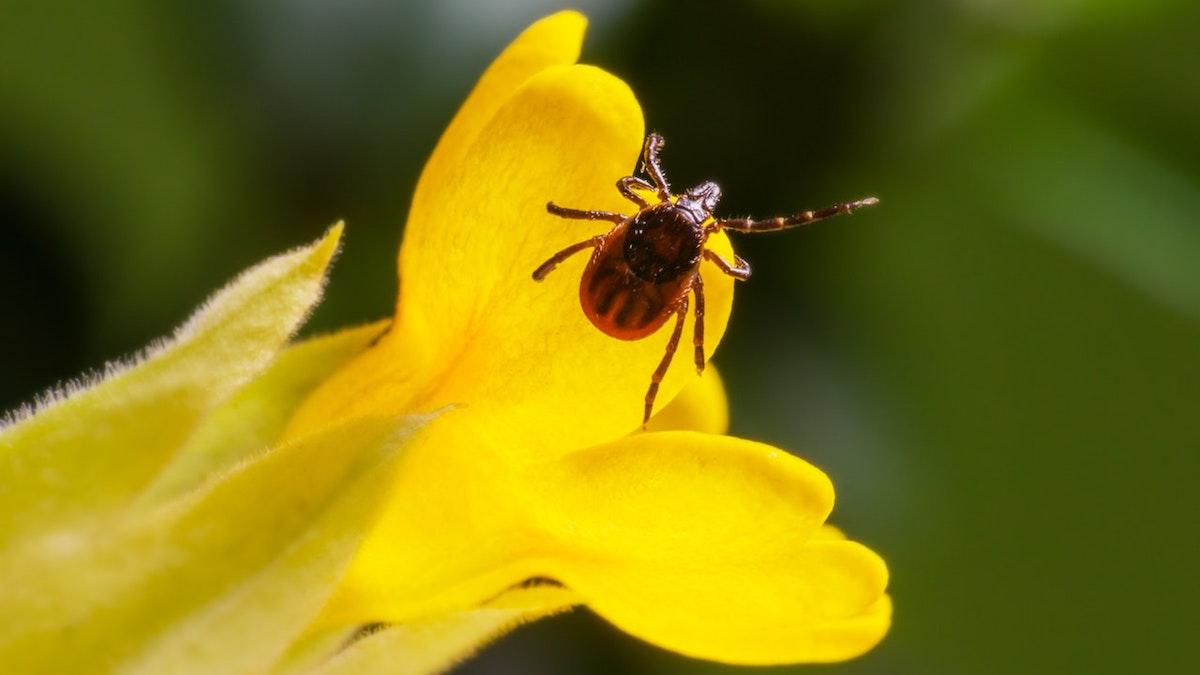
{"points": [[222, 580], [252, 420], [552, 41], [701, 406], [712, 547], [434, 645], [91, 449], [473, 327], [454, 535]]}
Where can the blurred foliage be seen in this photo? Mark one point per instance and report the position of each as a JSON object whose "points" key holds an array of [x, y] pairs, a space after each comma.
{"points": [[999, 366]]}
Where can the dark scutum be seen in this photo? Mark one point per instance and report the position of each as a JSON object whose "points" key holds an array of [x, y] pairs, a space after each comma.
{"points": [[663, 243]]}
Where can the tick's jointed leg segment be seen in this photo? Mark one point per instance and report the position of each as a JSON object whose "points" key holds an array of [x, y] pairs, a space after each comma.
{"points": [[626, 185], [581, 214], [783, 223], [650, 163], [698, 329], [548, 266], [672, 345], [739, 270]]}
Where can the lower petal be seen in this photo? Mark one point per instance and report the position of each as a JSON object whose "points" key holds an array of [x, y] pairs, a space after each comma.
{"points": [[822, 603], [712, 547]]}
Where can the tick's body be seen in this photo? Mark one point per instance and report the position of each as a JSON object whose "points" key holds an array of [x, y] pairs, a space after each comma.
{"points": [[643, 269], [640, 270]]}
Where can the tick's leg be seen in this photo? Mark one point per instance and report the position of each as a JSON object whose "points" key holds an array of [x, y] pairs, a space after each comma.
{"points": [[698, 334], [672, 345], [548, 266], [625, 187], [650, 163], [739, 270], [782, 223], [579, 214]]}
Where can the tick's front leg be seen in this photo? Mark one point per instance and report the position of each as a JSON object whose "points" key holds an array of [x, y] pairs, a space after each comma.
{"points": [[739, 270], [650, 163], [798, 220], [626, 185], [581, 214]]}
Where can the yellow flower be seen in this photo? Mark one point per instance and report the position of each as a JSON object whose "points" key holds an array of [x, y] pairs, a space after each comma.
{"points": [[704, 544], [231, 503]]}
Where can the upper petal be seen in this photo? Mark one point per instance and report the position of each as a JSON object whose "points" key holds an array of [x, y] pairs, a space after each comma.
{"points": [[473, 327], [552, 41]]}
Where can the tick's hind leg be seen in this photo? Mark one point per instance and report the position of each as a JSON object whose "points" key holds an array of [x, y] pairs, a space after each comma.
{"points": [[548, 266], [698, 329], [672, 345]]}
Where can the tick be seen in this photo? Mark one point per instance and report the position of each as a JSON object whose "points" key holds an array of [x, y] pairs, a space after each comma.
{"points": [[643, 269]]}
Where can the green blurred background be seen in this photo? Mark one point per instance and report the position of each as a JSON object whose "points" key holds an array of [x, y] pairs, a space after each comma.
{"points": [[999, 366]]}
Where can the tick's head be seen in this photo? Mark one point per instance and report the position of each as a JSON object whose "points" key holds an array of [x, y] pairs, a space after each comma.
{"points": [[702, 199]]}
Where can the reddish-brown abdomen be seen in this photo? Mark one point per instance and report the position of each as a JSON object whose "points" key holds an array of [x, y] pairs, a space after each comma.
{"points": [[620, 303]]}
